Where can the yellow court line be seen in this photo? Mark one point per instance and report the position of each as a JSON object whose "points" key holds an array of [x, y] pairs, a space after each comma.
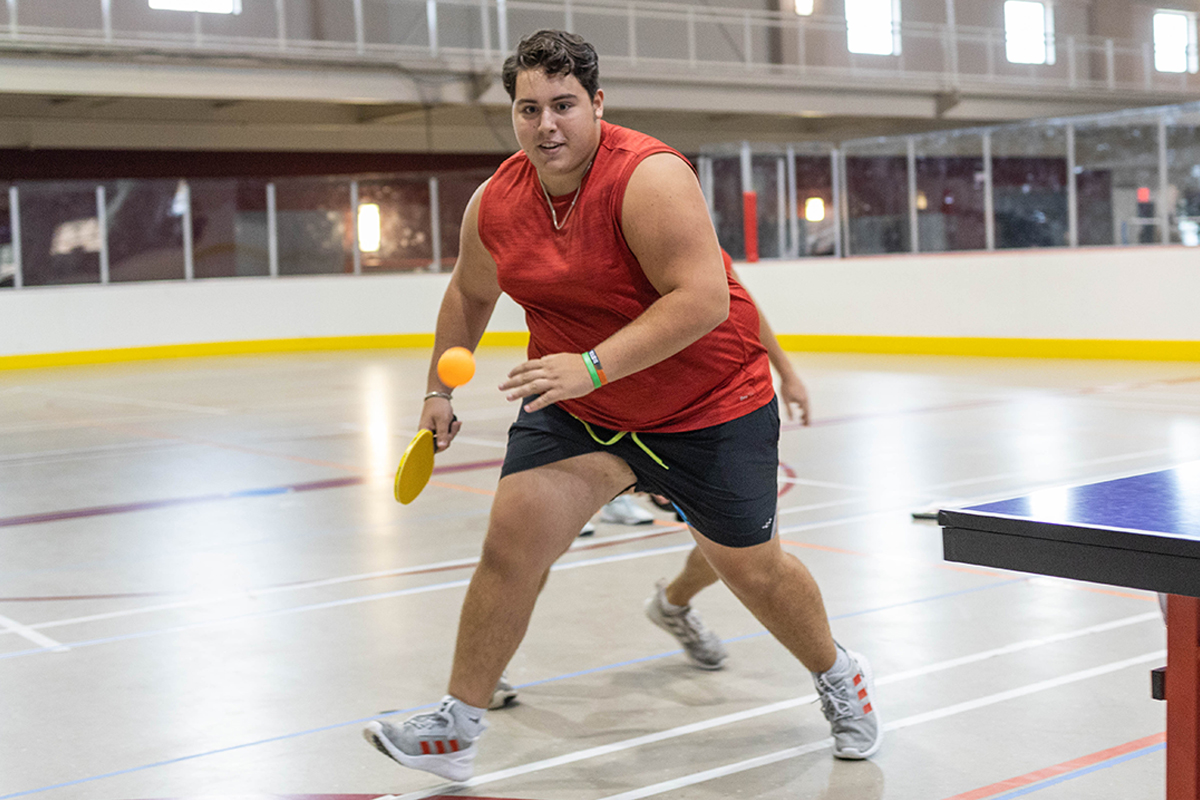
{"points": [[421, 341], [1120, 349]]}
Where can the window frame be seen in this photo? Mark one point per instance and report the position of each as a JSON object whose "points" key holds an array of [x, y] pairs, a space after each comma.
{"points": [[195, 6]]}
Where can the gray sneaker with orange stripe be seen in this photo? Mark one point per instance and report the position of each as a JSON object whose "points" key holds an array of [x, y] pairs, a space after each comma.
{"points": [[847, 696], [431, 742]]}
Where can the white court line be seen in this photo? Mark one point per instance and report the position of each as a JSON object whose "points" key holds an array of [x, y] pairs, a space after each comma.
{"points": [[823, 484], [87, 453], [771, 708], [1129, 405], [12, 626], [130, 401], [387, 573], [790, 529], [81, 422], [906, 722]]}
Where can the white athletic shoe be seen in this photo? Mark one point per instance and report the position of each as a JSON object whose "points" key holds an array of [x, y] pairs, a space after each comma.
{"points": [[623, 511], [429, 742], [503, 695], [846, 701], [703, 647]]}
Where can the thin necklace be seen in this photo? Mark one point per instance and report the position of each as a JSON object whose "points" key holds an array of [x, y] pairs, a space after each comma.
{"points": [[553, 214]]}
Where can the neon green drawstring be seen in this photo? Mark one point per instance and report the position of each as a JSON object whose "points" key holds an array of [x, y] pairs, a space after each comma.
{"points": [[618, 437]]}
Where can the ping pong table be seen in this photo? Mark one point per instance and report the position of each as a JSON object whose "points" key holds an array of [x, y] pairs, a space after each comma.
{"points": [[1142, 532]]}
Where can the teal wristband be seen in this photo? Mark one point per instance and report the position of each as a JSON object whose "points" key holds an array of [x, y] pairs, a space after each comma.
{"points": [[587, 362]]}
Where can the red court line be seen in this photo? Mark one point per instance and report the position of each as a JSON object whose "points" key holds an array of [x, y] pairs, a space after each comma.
{"points": [[1060, 769], [123, 508]]}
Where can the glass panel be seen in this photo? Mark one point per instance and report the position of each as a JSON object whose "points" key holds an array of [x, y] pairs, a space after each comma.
{"points": [[1116, 171], [398, 22], [405, 238], [229, 227], [8, 267], [313, 222], [727, 202], [319, 20], [145, 229], [72, 16], [136, 17], [454, 193], [877, 188], [60, 233], [254, 19], [606, 29], [814, 205], [1029, 178], [1183, 176], [950, 192], [460, 25], [765, 173]]}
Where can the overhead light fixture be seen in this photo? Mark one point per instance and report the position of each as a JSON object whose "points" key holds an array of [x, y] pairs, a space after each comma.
{"points": [[804, 8], [370, 231]]}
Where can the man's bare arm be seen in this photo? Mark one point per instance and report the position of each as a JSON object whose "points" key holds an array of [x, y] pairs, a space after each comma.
{"points": [[466, 309]]}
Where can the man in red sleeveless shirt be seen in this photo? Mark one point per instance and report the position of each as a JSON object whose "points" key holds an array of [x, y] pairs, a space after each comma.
{"points": [[645, 370]]}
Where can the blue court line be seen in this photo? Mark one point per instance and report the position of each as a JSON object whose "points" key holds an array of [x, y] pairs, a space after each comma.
{"points": [[1079, 773], [364, 720]]}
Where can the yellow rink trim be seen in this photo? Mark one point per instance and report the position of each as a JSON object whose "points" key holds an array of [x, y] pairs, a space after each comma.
{"points": [[1130, 349], [422, 341], [1140, 350]]}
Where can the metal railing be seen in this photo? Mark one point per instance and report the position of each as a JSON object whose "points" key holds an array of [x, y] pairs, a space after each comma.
{"points": [[474, 35], [1122, 178]]}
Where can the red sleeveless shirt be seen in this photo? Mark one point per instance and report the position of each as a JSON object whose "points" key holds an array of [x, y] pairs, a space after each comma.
{"points": [[581, 284]]}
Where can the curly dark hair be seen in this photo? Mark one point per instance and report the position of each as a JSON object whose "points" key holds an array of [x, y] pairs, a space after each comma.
{"points": [[557, 53]]}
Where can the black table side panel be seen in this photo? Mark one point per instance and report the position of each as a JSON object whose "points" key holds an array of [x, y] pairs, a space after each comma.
{"points": [[1163, 544], [1155, 572]]}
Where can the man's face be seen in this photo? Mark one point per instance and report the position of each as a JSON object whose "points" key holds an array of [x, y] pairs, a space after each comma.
{"points": [[557, 125]]}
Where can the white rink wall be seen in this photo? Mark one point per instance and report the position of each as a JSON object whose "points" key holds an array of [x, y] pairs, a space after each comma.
{"points": [[1144, 293]]}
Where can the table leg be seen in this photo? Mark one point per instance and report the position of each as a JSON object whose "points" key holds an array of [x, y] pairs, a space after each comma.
{"points": [[1183, 698]]}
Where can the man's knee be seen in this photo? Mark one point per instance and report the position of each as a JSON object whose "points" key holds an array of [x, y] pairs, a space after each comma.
{"points": [[756, 569]]}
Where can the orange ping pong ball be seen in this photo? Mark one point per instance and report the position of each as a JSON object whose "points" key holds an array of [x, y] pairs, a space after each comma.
{"points": [[456, 366]]}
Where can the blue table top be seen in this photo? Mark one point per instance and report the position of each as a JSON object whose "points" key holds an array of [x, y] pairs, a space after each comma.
{"points": [[1142, 531], [1165, 502]]}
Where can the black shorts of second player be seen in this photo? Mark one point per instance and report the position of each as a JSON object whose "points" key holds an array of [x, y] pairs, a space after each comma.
{"points": [[723, 478]]}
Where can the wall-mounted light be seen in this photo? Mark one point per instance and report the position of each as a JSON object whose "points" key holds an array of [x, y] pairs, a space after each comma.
{"points": [[804, 8], [922, 201], [370, 231], [814, 209]]}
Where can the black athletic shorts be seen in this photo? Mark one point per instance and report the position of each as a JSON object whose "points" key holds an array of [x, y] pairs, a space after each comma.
{"points": [[723, 479]]}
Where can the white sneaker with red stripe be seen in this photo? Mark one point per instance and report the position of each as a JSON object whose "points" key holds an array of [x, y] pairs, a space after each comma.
{"points": [[846, 700], [431, 742]]}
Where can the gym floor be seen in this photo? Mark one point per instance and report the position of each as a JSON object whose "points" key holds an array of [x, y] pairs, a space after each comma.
{"points": [[206, 589]]}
